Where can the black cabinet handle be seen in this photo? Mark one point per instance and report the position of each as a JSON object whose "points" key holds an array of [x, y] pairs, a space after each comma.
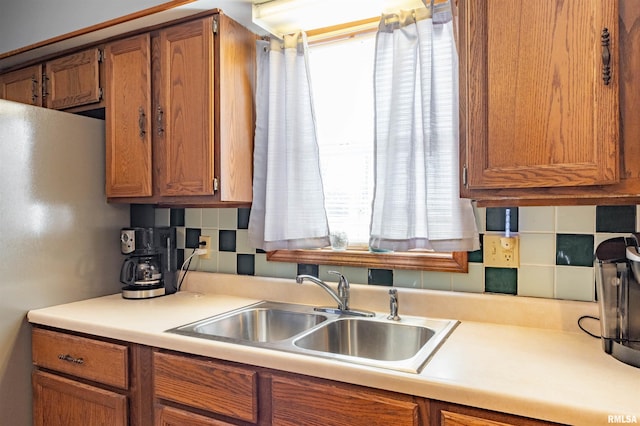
{"points": [[142, 122], [605, 39]]}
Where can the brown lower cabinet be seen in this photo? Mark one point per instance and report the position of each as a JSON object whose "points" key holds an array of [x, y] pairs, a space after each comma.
{"points": [[86, 380]]}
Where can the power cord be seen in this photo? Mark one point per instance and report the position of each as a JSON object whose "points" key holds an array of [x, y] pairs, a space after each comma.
{"points": [[584, 329], [196, 252]]}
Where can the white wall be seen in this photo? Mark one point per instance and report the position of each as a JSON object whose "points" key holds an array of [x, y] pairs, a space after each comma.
{"points": [[25, 22]]}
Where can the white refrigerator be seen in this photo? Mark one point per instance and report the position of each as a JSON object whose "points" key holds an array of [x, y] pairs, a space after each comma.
{"points": [[59, 239]]}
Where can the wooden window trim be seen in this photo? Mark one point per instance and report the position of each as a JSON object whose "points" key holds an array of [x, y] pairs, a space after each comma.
{"points": [[424, 261]]}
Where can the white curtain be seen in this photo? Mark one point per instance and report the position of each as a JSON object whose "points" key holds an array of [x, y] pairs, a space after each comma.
{"points": [[416, 198], [288, 201]]}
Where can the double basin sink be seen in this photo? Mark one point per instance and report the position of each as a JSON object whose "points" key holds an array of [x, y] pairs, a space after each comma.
{"points": [[403, 345]]}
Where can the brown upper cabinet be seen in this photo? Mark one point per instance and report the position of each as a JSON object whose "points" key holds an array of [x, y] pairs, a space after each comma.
{"points": [[23, 85], [71, 82], [128, 115], [180, 114], [546, 89]]}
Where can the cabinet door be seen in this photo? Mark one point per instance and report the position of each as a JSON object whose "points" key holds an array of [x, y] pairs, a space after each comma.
{"points": [[304, 401], [448, 414], [185, 98], [169, 416], [128, 118], [206, 385], [73, 80], [23, 85], [235, 75], [537, 109], [62, 402]]}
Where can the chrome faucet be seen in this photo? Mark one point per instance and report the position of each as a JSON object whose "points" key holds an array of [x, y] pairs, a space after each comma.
{"points": [[341, 297], [393, 305]]}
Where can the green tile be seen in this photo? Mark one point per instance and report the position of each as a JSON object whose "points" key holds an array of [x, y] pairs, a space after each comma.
{"points": [[381, 277], [616, 219], [574, 249], [501, 280], [496, 218], [476, 256]]}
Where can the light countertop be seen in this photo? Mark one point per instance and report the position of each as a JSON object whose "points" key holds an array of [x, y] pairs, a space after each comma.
{"points": [[516, 355]]}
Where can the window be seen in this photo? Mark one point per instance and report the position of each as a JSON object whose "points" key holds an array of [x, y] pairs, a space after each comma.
{"points": [[342, 79], [342, 85]]}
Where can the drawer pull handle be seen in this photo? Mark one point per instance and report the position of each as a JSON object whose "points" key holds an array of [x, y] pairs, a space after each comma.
{"points": [[69, 358]]}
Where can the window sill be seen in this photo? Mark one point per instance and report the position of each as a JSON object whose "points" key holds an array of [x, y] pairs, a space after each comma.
{"points": [[424, 261]]}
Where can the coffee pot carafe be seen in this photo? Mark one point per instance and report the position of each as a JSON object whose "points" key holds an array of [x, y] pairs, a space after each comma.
{"points": [[142, 271]]}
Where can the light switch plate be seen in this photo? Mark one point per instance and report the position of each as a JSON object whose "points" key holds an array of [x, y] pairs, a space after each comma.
{"points": [[500, 251]]}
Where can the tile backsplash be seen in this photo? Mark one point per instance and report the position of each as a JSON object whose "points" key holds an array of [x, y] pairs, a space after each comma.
{"points": [[556, 250]]}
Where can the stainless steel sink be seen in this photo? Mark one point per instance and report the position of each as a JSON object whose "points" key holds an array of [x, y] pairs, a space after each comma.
{"points": [[404, 345], [384, 341], [268, 322]]}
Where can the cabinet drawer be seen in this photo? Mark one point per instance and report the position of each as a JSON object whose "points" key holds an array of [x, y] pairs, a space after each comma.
{"points": [[90, 359], [208, 385], [304, 401]]}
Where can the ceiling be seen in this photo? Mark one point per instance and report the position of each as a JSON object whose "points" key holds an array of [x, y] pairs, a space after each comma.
{"points": [[239, 10]]}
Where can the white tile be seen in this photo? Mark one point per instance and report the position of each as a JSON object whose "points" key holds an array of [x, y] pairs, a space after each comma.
{"points": [[228, 218], [356, 275], [536, 219], [536, 281], [210, 218], [324, 275], [285, 269], [437, 280], [537, 249], [242, 242], [263, 268], [576, 219], [575, 283], [208, 265], [407, 279], [472, 282], [227, 263], [193, 218]]}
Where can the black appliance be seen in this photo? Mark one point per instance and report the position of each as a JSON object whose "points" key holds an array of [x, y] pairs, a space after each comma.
{"points": [[617, 263], [150, 269]]}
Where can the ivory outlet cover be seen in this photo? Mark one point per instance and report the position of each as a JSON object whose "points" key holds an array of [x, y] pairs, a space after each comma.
{"points": [[500, 251]]}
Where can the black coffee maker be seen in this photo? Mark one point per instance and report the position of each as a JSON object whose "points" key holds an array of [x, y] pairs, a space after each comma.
{"points": [[150, 270]]}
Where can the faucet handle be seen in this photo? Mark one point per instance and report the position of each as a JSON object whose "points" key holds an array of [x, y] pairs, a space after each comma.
{"points": [[343, 279]]}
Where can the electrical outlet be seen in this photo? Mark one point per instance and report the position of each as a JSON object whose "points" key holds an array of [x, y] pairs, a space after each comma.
{"points": [[206, 239], [500, 251]]}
